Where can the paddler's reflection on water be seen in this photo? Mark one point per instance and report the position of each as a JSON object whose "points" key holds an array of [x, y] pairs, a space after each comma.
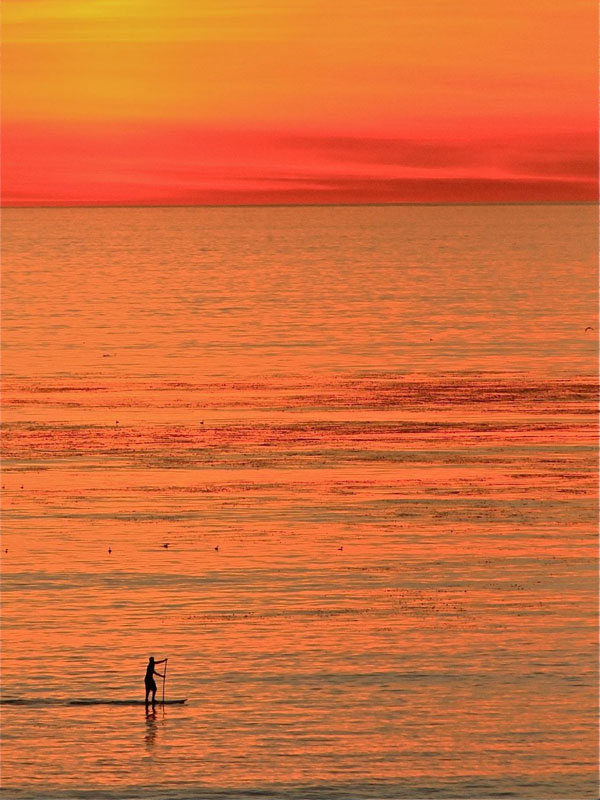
{"points": [[150, 726]]}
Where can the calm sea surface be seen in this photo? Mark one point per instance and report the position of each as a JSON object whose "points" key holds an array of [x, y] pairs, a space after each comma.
{"points": [[385, 420]]}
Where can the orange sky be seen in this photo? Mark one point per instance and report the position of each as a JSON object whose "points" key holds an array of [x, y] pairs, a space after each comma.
{"points": [[240, 101]]}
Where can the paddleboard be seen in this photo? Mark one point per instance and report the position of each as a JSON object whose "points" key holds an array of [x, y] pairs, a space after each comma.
{"points": [[85, 702]]}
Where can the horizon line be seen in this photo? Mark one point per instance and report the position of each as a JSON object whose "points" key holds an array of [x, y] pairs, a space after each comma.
{"points": [[306, 205]]}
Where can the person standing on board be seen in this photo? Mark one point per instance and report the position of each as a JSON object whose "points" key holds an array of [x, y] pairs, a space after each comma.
{"points": [[149, 679]]}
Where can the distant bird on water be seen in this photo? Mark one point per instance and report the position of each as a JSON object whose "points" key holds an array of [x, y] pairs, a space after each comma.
{"points": [[109, 551], [217, 548], [340, 548], [165, 545]]}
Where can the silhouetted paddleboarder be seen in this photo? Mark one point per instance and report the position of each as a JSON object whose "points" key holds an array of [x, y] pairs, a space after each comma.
{"points": [[149, 679]]}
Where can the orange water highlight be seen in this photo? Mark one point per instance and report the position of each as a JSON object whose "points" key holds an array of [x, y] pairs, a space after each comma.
{"points": [[416, 386]]}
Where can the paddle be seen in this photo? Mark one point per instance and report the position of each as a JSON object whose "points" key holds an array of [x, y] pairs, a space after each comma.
{"points": [[165, 679]]}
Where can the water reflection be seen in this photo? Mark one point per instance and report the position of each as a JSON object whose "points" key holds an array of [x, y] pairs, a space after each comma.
{"points": [[151, 726]]}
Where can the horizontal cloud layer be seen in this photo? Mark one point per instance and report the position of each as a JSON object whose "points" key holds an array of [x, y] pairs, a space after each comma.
{"points": [[163, 164]]}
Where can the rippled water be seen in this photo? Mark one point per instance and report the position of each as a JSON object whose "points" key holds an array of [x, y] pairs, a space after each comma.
{"points": [[385, 419]]}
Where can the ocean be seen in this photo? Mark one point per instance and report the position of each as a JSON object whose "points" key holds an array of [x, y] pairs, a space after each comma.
{"points": [[338, 465]]}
